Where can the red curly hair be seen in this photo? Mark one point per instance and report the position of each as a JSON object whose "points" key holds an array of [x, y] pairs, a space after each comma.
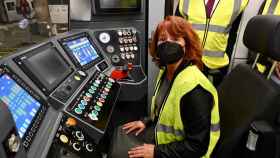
{"points": [[179, 27]]}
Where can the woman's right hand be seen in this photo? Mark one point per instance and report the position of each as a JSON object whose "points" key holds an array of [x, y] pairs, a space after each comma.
{"points": [[139, 126]]}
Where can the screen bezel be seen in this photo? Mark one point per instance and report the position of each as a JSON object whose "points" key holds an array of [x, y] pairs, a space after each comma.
{"points": [[4, 69], [71, 55], [107, 11], [47, 89]]}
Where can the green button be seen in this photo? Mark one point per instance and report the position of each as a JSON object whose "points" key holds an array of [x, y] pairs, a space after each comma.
{"points": [[109, 83], [78, 111], [94, 112], [91, 91], [96, 85], [93, 88], [93, 117], [89, 95], [97, 108]]}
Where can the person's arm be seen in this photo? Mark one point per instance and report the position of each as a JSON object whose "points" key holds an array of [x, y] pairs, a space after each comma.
{"points": [[195, 109]]}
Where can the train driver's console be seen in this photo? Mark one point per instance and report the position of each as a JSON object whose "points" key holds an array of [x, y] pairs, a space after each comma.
{"points": [[60, 94]]}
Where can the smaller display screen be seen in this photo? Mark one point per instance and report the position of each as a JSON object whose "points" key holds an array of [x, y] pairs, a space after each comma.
{"points": [[82, 50], [21, 104], [110, 4]]}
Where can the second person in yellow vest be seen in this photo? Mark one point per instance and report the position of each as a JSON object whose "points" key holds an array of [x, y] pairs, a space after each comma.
{"points": [[212, 21]]}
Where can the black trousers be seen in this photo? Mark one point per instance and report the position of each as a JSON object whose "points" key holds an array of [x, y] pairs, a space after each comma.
{"points": [[216, 76]]}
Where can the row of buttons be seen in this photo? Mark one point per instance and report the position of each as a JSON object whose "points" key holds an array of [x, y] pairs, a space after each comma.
{"points": [[128, 40], [69, 134], [128, 55], [125, 32], [94, 97], [32, 131], [128, 48]]}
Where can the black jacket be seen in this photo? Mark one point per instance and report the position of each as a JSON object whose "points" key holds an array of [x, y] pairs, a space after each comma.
{"points": [[195, 109]]}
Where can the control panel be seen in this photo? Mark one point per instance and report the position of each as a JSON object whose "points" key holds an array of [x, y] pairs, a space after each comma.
{"points": [[68, 87], [120, 45], [71, 141], [94, 104]]}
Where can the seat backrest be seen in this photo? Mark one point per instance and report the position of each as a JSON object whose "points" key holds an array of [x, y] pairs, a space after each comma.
{"points": [[244, 96]]}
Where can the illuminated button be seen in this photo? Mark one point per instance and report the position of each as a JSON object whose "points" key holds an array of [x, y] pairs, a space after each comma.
{"points": [[105, 93], [122, 49], [127, 55], [126, 49], [130, 40], [76, 146], [82, 73], [78, 111], [132, 56], [103, 96], [89, 147], [94, 112], [128, 32], [120, 33], [84, 102], [112, 80], [91, 91], [121, 40], [71, 122], [131, 48], [93, 88], [124, 32], [89, 95], [78, 78], [92, 117], [97, 81], [106, 89], [122, 55], [109, 83], [102, 100], [96, 85], [108, 86], [102, 75], [104, 37], [134, 31], [64, 139], [81, 106], [97, 108], [86, 98], [135, 48], [79, 135], [99, 103]]}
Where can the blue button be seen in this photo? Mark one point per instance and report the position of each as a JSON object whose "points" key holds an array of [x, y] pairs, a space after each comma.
{"points": [[81, 106], [83, 102]]}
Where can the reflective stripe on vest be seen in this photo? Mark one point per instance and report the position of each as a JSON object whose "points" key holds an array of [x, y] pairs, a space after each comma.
{"points": [[218, 26], [181, 133], [170, 127], [272, 6]]}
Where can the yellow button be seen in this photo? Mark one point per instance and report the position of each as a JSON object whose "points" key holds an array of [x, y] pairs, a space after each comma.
{"points": [[77, 78], [64, 139]]}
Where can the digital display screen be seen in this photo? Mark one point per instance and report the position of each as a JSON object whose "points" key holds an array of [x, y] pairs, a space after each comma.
{"points": [[46, 66], [111, 4], [82, 50], [22, 106]]}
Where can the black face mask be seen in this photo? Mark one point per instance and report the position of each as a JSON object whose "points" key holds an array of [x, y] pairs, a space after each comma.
{"points": [[169, 53]]}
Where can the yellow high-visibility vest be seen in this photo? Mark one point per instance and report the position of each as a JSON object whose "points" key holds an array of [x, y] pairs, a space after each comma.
{"points": [[272, 7], [213, 31], [170, 127]]}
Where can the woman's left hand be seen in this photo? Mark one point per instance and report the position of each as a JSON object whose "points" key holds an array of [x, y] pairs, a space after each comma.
{"points": [[145, 151]]}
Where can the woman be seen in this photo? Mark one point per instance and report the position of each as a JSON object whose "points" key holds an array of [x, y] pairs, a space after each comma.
{"points": [[185, 104]]}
